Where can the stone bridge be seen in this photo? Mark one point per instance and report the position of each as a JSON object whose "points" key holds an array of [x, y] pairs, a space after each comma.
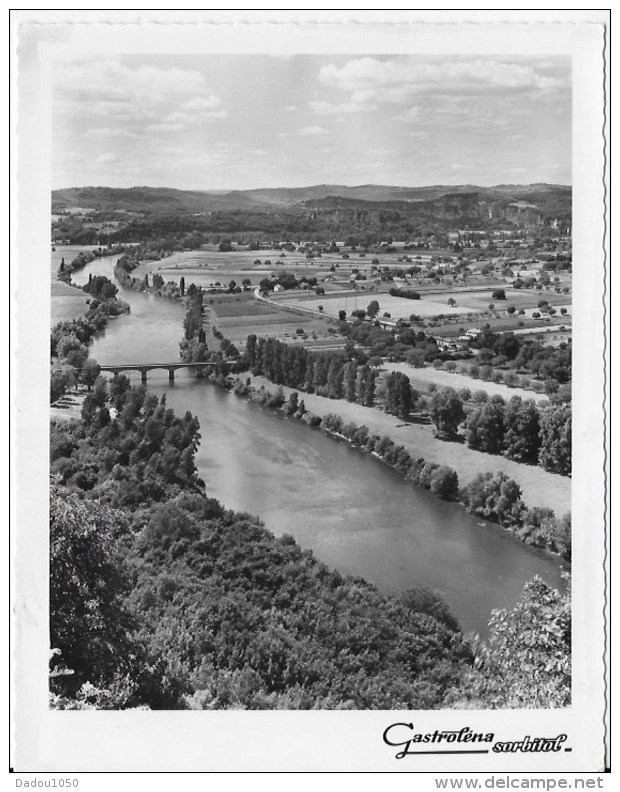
{"points": [[143, 368]]}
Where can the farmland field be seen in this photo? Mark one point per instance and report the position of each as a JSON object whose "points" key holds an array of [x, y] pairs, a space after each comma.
{"points": [[430, 304], [67, 302], [398, 307], [240, 315], [521, 298], [241, 306], [281, 326]]}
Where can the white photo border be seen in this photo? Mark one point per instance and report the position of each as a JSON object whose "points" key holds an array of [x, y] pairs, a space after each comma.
{"points": [[45, 740]]}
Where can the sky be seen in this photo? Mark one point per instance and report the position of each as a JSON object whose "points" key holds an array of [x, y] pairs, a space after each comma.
{"points": [[225, 122]]}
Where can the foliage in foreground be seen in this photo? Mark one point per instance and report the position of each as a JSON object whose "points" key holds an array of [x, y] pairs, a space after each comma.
{"points": [[162, 598], [525, 663]]}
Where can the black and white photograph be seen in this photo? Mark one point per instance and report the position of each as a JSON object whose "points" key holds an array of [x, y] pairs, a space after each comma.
{"points": [[310, 467]]}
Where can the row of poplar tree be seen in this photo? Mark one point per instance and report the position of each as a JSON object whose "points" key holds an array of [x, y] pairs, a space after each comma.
{"points": [[327, 373]]}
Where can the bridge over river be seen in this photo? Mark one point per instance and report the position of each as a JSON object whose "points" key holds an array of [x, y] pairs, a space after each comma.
{"points": [[143, 368]]}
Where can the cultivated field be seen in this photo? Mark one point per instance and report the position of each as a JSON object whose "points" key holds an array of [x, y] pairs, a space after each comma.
{"points": [[241, 305], [67, 302], [397, 307], [429, 305], [211, 268], [479, 300], [240, 315]]}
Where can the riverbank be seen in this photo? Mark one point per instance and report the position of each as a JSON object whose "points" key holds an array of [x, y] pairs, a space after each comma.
{"points": [[539, 487], [352, 510]]}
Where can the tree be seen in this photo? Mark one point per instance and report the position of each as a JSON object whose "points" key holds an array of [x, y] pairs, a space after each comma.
{"points": [[72, 351], [101, 287], [90, 371], [444, 482], [373, 309], [499, 294], [182, 286], [399, 398], [118, 390], [350, 381], [446, 411], [484, 430], [486, 372], [225, 246], [526, 661], [494, 496], [551, 386], [335, 378], [342, 315], [511, 379], [451, 302], [277, 399], [89, 622], [62, 377], [415, 358], [100, 391], [365, 385], [555, 439], [292, 405], [522, 431]]}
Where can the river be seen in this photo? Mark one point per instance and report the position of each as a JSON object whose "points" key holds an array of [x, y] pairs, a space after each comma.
{"points": [[354, 512]]}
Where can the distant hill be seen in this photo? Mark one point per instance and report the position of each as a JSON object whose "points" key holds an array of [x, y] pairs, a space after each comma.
{"points": [[325, 211], [158, 199]]}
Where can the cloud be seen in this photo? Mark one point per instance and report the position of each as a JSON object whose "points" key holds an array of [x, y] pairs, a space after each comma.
{"points": [[291, 108], [311, 130], [216, 114], [108, 132], [179, 120], [412, 114], [202, 103], [110, 88], [399, 79], [106, 158], [165, 127], [327, 108], [72, 156]]}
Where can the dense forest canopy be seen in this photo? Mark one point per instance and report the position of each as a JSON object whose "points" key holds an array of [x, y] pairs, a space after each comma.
{"points": [[204, 607]]}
